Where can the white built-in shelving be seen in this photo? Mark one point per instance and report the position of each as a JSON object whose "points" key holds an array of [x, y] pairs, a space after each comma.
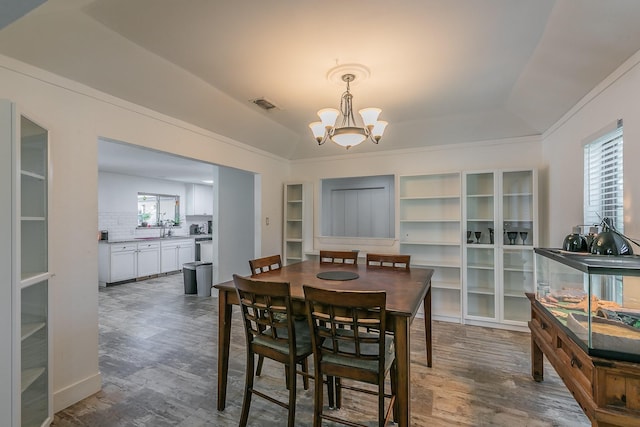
{"points": [[430, 224], [298, 222]]}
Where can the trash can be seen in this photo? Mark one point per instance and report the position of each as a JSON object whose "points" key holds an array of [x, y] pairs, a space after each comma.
{"points": [[189, 273], [204, 278]]}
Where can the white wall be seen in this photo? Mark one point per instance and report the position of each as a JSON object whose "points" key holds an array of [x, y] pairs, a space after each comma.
{"points": [[615, 98], [522, 153], [76, 116]]}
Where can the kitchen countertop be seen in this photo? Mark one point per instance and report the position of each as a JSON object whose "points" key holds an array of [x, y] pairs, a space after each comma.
{"points": [[148, 239]]}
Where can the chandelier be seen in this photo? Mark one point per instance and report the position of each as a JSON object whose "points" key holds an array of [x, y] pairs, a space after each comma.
{"points": [[348, 134]]}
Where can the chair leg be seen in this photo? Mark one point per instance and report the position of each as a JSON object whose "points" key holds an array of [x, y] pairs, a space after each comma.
{"points": [[248, 388], [394, 391], [292, 394], [317, 396], [305, 369], [331, 384], [259, 368], [338, 393]]}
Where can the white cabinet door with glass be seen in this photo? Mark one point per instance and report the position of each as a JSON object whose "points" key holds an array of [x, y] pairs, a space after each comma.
{"points": [[25, 357], [500, 214], [298, 222], [430, 232]]}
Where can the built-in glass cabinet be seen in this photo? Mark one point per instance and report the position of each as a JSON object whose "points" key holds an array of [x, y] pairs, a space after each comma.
{"points": [[500, 216], [25, 375]]}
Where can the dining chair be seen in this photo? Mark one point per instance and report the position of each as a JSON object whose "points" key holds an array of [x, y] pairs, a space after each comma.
{"points": [[259, 266], [339, 257], [271, 331], [342, 348], [264, 264], [391, 261]]}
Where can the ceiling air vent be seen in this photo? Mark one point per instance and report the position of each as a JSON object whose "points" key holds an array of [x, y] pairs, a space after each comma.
{"points": [[264, 104]]}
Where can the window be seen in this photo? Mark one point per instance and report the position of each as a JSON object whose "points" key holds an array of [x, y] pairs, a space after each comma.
{"points": [[156, 209], [358, 207], [603, 179]]}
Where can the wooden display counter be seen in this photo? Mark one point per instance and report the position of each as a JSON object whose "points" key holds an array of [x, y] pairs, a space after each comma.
{"points": [[607, 390]]}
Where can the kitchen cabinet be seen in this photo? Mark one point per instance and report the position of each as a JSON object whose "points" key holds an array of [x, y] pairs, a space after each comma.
{"points": [[430, 211], [127, 261], [148, 259], [199, 200], [500, 215], [25, 329], [175, 252], [298, 222]]}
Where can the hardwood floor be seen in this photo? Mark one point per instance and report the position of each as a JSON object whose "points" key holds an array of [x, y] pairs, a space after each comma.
{"points": [[158, 362]]}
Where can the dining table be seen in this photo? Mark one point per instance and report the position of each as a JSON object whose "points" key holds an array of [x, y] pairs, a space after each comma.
{"points": [[406, 291]]}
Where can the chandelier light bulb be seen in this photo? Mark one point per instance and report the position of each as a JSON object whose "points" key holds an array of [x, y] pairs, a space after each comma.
{"points": [[370, 116], [328, 116]]}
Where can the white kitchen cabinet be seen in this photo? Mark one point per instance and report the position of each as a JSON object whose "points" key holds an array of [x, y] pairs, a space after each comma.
{"points": [[127, 261], [199, 200], [430, 211], [175, 252], [25, 356], [148, 258], [500, 210]]}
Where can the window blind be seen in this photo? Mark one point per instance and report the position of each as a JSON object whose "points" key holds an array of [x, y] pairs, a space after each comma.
{"points": [[603, 179]]}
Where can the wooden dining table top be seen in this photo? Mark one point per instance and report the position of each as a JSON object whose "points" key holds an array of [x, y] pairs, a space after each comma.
{"points": [[405, 289]]}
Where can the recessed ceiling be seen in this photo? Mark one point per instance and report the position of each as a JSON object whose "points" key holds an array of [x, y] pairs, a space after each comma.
{"points": [[443, 71]]}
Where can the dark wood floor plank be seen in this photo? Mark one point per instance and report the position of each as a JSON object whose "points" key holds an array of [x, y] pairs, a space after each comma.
{"points": [[158, 362]]}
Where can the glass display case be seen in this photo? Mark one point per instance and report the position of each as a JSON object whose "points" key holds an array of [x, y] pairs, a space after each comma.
{"points": [[594, 298]]}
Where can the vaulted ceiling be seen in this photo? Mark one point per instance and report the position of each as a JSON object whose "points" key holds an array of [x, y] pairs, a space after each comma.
{"points": [[443, 71]]}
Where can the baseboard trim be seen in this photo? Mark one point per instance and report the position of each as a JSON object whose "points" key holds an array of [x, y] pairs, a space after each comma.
{"points": [[74, 393]]}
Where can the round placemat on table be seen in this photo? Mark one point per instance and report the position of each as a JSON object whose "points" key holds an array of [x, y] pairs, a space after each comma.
{"points": [[337, 275]]}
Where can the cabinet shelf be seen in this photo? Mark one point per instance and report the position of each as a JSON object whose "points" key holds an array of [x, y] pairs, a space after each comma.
{"points": [[450, 220], [479, 196], [28, 279], [443, 197], [33, 175], [29, 329], [513, 294], [438, 264], [29, 376], [428, 243], [445, 285], [481, 291]]}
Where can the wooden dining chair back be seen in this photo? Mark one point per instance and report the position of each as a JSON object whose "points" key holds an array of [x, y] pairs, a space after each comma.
{"points": [[271, 331], [264, 264], [342, 347], [390, 261], [339, 257]]}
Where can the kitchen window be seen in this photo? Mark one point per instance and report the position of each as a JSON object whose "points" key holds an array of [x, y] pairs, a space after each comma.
{"points": [[155, 210]]}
